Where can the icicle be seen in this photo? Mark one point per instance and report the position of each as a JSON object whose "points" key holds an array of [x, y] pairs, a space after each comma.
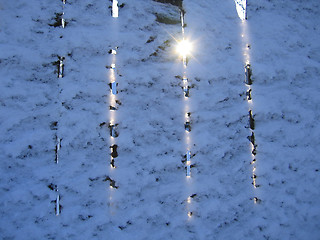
{"points": [[63, 22], [184, 61], [182, 19], [61, 67], [58, 205], [241, 6], [187, 126], [115, 9], [186, 91], [113, 130], [188, 156], [113, 87], [58, 146], [188, 171]]}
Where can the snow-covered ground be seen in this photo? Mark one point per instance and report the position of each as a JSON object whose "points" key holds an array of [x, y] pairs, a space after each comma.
{"points": [[153, 198]]}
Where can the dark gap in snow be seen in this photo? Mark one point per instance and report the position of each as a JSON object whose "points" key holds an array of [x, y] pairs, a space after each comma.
{"points": [[151, 39], [292, 168], [160, 49], [252, 139], [54, 125], [113, 87], [186, 91], [191, 166], [187, 157], [94, 179], [248, 94], [102, 124], [251, 120], [59, 21], [254, 151], [256, 200], [112, 182], [161, 18], [187, 126], [177, 3], [114, 108], [114, 152], [193, 195], [113, 51], [113, 130], [128, 223], [84, 218], [112, 163], [53, 187], [112, 66], [248, 74], [60, 66], [67, 106]]}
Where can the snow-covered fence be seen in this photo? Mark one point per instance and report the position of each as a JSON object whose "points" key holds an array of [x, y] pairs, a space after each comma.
{"points": [[60, 63], [113, 84], [183, 49], [251, 138], [241, 8]]}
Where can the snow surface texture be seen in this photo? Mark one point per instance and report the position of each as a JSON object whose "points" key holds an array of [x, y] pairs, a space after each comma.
{"points": [[151, 201]]}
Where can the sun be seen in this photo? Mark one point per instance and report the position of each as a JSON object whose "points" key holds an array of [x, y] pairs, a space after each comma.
{"points": [[184, 48]]}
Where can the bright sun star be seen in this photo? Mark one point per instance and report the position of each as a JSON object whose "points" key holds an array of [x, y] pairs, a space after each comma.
{"points": [[184, 48]]}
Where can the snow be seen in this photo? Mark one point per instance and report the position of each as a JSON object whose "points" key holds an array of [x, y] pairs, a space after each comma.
{"points": [[148, 195]]}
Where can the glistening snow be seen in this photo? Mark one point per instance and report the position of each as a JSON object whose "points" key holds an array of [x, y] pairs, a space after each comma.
{"points": [[153, 200]]}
